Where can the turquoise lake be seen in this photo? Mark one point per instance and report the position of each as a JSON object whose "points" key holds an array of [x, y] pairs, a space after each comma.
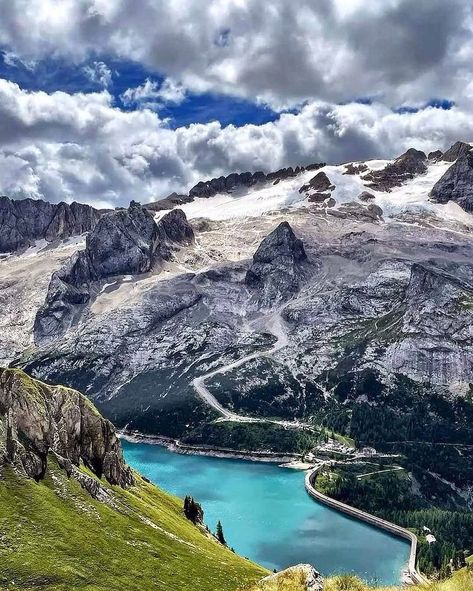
{"points": [[268, 517]]}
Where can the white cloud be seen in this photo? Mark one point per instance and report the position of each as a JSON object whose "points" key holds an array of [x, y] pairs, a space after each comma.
{"points": [[99, 73], [62, 146], [279, 52], [154, 95]]}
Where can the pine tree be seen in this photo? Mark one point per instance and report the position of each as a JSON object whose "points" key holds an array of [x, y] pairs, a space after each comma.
{"points": [[193, 510], [220, 536]]}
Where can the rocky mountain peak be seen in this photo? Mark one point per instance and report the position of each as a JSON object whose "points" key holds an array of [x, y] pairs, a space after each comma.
{"points": [[40, 420], [124, 242], [277, 265], [458, 149], [457, 183], [405, 167]]}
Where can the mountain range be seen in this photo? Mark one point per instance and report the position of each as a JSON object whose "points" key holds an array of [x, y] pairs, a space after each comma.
{"points": [[316, 294]]}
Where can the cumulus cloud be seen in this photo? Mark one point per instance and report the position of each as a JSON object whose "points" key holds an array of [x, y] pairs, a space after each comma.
{"points": [[282, 53], [62, 146]]}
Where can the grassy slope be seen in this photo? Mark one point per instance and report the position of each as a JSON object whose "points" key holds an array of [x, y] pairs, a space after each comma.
{"points": [[54, 536], [460, 581]]}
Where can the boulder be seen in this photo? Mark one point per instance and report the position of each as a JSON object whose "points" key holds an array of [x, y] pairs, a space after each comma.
{"points": [[457, 183]]}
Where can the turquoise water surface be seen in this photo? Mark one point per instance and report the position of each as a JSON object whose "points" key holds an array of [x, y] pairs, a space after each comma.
{"points": [[267, 515]]}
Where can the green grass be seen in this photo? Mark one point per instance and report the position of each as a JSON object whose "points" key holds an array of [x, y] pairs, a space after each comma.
{"points": [[293, 581], [55, 537]]}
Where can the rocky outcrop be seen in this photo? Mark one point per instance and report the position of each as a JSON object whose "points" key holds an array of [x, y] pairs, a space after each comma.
{"points": [[435, 156], [352, 169], [25, 221], [125, 242], [227, 184], [172, 200], [366, 196], [457, 183], [317, 185], [174, 228], [316, 166], [454, 152], [42, 420], [407, 166], [302, 577], [277, 266]]}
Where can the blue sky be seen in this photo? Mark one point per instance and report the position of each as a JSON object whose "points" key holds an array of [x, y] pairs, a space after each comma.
{"points": [[58, 74]]}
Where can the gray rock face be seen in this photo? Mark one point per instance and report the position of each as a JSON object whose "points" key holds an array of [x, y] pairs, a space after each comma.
{"points": [[457, 183], [277, 265], [407, 166], [454, 152], [174, 227], [125, 242], [24, 221], [42, 419], [437, 306]]}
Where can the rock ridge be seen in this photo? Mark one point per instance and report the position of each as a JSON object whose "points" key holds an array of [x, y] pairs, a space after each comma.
{"points": [[42, 419], [24, 221]]}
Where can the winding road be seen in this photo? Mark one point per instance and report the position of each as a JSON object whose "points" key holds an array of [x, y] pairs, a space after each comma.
{"points": [[276, 327]]}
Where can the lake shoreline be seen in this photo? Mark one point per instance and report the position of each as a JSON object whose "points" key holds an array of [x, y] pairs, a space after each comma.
{"points": [[289, 460], [220, 485]]}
